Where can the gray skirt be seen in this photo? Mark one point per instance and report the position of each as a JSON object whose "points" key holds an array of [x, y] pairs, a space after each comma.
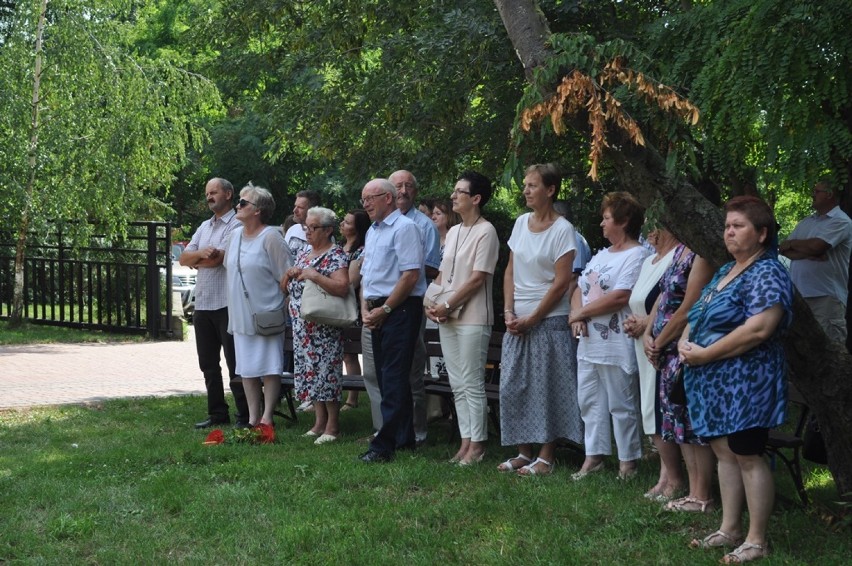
{"points": [[538, 385]]}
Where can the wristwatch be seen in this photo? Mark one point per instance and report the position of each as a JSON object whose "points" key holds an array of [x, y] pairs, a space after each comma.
{"points": [[386, 307], [447, 306]]}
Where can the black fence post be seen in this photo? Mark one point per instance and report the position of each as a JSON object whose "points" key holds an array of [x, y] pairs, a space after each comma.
{"points": [[153, 286]]}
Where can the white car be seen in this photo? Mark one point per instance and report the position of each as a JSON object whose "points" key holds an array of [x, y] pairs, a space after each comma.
{"points": [[183, 281]]}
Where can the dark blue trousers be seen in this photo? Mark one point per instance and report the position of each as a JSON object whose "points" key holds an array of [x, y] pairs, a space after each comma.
{"points": [[212, 338], [393, 351]]}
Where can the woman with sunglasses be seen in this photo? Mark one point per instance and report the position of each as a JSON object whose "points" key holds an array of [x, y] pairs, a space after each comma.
{"points": [[256, 259], [318, 348]]}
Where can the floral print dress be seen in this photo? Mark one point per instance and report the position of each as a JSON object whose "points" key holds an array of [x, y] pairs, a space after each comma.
{"points": [[317, 348], [676, 425]]}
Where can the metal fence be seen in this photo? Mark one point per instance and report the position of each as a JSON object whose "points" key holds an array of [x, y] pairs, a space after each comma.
{"points": [[114, 285]]}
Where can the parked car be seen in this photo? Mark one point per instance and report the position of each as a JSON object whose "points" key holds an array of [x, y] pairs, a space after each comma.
{"points": [[183, 281]]}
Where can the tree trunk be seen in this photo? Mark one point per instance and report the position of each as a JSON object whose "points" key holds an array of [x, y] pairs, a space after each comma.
{"points": [[528, 29], [20, 251], [821, 370]]}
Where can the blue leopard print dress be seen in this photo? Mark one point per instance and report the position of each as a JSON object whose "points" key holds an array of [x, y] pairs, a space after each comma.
{"points": [[750, 390]]}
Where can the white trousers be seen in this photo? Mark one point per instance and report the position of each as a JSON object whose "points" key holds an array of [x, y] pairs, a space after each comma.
{"points": [[609, 403], [465, 348]]}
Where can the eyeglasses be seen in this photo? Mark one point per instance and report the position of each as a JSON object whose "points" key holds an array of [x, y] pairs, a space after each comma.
{"points": [[244, 202], [369, 198], [317, 227], [460, 192]]}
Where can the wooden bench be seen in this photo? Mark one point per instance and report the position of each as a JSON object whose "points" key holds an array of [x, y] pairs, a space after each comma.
{"points": [[351, 345], [441, 386], [780, 442]]}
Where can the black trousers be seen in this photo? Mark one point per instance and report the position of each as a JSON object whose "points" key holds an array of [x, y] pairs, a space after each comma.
{"points": [[393, 350], [211, 338]]}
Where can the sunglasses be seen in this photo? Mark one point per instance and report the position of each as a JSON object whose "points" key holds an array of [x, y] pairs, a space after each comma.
{"points": [[244, 202]]}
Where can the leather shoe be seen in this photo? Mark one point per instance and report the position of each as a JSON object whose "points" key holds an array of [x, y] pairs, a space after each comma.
{"points": [[212, 422], [240, 424], [373, 457]]}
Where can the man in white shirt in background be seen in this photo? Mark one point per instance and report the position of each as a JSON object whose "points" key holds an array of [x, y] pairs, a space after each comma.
{"points": [[295, 236], [210, 319], [819, 248]]}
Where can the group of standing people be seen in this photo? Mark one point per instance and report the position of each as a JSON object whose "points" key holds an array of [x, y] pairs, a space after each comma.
{"points": [[633, 341], [663, 345]]}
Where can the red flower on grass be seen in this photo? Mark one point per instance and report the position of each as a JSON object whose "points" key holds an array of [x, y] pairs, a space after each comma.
{"points": [[266, 433], [258, 434], [215, 437]]}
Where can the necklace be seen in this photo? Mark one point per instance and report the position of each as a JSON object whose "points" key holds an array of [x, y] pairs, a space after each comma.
{"points": [[456, 251]]}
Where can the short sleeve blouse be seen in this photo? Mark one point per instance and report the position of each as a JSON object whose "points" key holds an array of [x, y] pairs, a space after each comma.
{"points": [[749, 390]]}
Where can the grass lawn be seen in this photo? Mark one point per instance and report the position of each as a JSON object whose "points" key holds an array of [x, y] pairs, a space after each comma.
{"points": [[29, 333], [129, 481]]}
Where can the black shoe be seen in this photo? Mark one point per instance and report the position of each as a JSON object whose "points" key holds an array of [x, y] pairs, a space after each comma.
{"points": [[212, 422], [372, 457], [240, 424]]}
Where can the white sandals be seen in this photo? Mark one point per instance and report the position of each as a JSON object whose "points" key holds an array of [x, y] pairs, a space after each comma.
{"points": [[507, 466]]}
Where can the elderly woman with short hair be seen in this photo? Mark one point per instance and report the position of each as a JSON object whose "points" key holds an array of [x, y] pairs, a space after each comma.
{"points": [[607, 373], [318, 348], [256, 260]]}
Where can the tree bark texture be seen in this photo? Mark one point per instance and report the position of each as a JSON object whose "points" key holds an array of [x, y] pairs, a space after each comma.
{"points": [[820, 369], [18, 293], [529, 31]]}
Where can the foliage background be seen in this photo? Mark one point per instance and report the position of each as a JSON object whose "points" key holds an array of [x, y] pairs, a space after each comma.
{"points": [[146, 99]]}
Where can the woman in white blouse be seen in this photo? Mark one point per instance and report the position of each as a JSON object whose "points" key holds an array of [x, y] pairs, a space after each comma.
{"points": [[538, 385], [256, 260], [607, 375]]}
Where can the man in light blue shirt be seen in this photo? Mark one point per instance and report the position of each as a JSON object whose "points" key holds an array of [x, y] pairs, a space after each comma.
{"points": [[392, 288]]}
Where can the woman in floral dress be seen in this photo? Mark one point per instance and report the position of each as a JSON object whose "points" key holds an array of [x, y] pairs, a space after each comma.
{"points": [[680, 286], [317, 348]]}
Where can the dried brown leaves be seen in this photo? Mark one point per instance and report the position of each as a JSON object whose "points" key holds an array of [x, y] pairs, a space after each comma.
{"points": [[581, 92]]}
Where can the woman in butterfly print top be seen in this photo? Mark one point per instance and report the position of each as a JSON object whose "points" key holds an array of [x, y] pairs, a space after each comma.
{"points": [[607, 374]]}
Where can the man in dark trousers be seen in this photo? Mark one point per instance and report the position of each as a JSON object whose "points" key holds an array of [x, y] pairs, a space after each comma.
{"points": [[392, 287], [210, 320]]}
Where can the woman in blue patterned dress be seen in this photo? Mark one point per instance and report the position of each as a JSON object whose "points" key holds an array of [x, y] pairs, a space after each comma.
{"points": [[735, 372], [317, 348]]}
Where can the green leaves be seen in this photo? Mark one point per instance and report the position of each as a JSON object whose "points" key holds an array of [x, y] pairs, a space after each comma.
{"points": [[114, 125], [772, 80]]}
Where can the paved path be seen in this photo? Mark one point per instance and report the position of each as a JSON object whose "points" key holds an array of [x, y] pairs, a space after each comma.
{"points": [[55, 374]]}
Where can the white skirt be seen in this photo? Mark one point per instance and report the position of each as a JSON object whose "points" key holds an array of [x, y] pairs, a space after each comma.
{"points": [[258, 356]]}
